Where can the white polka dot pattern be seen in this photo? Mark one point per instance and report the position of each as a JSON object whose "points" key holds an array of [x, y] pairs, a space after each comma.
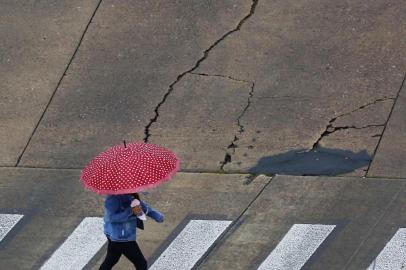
{"points": [[134, 168]]}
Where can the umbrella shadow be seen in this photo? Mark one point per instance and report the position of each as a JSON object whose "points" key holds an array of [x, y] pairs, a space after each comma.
{"points": [[319, 161]]}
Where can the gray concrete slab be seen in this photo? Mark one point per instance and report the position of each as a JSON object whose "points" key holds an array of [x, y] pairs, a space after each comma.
{"points": [[132, 53], [382, 233], [200, 119], [312, 63], [355, 206], [54, 203], [359, 130], [38, 41], [391, 153]]}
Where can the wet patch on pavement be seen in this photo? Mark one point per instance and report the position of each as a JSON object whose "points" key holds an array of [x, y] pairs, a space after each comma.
{"points": [[318, 161]]}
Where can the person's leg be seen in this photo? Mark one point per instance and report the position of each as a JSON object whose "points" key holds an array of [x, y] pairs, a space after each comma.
{"points": [[133, 252], [113, 255]]}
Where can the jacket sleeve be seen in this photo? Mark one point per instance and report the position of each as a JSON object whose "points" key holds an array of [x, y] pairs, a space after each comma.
{"points": [[152, 213], [114, 213]]}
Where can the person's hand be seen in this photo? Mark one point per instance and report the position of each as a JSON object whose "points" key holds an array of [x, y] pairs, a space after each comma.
{"points": [[137, 210]]}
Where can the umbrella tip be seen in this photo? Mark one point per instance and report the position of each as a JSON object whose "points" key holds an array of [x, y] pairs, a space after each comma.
{"points": [[125, 145]]}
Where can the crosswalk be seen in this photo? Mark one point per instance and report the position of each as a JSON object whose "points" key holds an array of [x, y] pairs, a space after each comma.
{"points": [[80, 247], [393, 256], [196, 238], [7, 222], [298, 245], [191, 244]]}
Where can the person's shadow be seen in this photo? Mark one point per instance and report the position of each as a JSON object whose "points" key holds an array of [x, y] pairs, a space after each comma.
{"points": [[319, 161]]}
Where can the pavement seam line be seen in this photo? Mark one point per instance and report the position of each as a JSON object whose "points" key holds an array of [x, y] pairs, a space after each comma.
{"points": [[204, 57], [231, 227], [58, 84], [374, 226], [230, 172], [327, 132], [386, 124]]}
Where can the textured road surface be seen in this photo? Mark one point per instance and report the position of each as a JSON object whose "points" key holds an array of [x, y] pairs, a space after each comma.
{"points": [[310, 93]]}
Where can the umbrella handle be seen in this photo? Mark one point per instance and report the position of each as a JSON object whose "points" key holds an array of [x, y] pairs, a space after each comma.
{"points": [[125, 145], [136, 202]]}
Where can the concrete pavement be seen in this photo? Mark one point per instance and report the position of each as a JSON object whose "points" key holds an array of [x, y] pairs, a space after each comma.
{"points": [[129, 57], [301, 88], [366, 213], [312, 64], [53, 203], [39, 39], [389, 161]]}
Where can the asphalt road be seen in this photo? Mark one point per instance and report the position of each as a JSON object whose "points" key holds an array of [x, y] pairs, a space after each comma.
{"points": [[309, 93]]}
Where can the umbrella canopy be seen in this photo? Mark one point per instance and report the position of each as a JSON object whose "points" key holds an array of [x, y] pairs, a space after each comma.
{"points": [[129, 168]]}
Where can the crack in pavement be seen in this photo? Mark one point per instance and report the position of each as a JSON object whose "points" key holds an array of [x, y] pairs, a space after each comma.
{"points": [[241, 129], [331, 129], [221, 76], [205, 55], [386, 123], [233, 145]]}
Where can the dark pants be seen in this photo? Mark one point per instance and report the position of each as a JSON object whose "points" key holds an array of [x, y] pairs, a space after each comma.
{"points": [[130, 249]]}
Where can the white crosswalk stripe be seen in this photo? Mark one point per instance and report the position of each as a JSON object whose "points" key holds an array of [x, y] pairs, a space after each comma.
{"points": [[80, 247], [393, 256], [190, 245], [296, 247], [292, 252], [7, 222]]}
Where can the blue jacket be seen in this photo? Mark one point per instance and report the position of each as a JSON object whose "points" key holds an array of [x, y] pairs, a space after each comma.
{"points": [[120, 224]]}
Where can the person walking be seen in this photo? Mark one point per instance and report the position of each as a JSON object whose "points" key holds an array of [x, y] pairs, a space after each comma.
{"points": [[120, 226], [121, 172]]}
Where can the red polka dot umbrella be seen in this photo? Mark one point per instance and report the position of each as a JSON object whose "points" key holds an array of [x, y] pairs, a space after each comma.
{"points": [[129, 168]]}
